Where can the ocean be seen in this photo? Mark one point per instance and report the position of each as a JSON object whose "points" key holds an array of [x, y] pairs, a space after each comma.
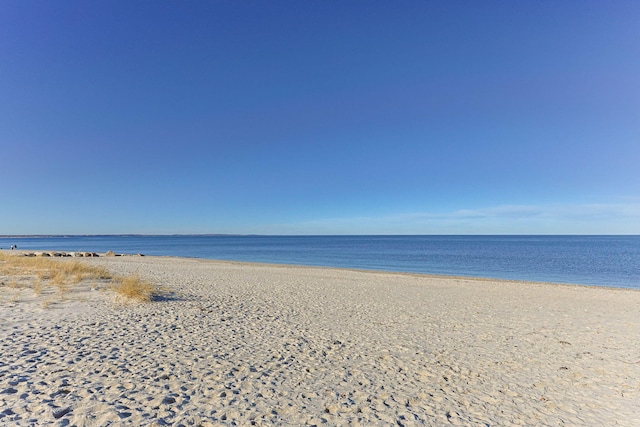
{"points": [[612, 261]]}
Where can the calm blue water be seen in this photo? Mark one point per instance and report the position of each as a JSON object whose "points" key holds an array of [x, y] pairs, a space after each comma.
{"points": [[590, 260]]}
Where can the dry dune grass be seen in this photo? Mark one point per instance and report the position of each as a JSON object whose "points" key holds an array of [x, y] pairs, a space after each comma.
{"points": [[45, 275], [134, 288]]}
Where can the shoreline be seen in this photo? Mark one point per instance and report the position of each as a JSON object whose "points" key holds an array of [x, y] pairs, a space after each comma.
{"points": [[568, 259], [360, 270], [235, 343]]}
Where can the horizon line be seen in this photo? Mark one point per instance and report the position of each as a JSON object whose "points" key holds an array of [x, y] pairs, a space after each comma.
{"points": [[19, 236]]}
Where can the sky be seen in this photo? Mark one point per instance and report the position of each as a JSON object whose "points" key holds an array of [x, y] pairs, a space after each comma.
{"points": [[319, 117]]}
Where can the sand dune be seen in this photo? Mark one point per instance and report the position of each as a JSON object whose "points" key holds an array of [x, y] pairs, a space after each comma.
{"points": [[250, 344]]}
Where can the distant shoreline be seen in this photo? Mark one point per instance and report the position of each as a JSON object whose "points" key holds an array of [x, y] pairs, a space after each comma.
{"points": [[44, 236]]}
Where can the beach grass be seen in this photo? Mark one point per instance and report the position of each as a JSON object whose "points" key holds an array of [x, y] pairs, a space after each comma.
{"points": [[45, 275], [134, 288]]}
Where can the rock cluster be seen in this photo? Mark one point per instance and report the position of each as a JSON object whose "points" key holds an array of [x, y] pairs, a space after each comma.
{"points": [[85, 254], [49, 254], [73, 254]]}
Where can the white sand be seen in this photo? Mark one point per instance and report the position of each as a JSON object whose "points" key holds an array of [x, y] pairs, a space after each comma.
{"points": [[250, 344]]}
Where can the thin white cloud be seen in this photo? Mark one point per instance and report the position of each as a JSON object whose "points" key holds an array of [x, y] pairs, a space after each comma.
{"points": [[577, 211], [602, 218]]}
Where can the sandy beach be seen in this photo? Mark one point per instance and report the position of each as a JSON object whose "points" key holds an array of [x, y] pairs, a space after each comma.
{"points": [[252, 344]]}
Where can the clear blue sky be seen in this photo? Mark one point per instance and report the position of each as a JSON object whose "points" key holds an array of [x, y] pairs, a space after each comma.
{"points": [[320, 117]]}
